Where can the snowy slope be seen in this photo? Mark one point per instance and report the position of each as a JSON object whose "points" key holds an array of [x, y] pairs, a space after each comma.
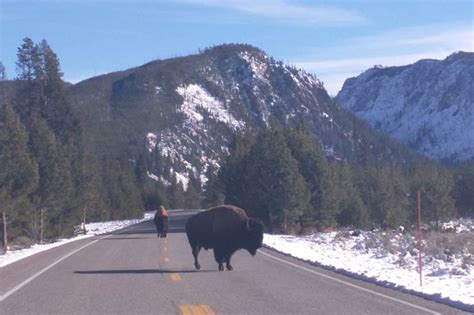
{"points": [[428, 105], [182, 114]]}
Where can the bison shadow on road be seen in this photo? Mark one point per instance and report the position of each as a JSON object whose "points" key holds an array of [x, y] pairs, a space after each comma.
{"points": [[124, 238], [137, 271]]}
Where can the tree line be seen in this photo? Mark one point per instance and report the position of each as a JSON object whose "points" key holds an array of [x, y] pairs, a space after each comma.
{"points": [[49, 182], [281, 176]]}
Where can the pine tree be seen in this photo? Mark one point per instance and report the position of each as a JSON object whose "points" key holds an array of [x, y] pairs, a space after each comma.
{"points": [[394, 203], [18, 171], [352, 211], [313, 167], [193, 194], [30, 73], [123, 195], [436, 186], [233, 173], [276, 191], [55, 185], [3, 72], [28, 61], [330, 197], [175, 193], [213, 194], [90, 189], [464, 189]]}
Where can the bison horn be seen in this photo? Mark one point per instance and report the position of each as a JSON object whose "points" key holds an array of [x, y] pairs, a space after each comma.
{"points": [[247, 224]]}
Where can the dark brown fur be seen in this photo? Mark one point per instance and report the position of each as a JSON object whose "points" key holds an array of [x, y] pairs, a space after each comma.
{"points": [[161, 222], [225, 229]]}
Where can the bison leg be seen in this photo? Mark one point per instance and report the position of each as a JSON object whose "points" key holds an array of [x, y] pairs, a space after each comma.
{"points": [[219, 257], [163, 234], [196, 249], [227, 263]]}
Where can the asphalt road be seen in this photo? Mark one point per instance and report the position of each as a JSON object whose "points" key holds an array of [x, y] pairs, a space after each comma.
{"points": [[134, 272]]}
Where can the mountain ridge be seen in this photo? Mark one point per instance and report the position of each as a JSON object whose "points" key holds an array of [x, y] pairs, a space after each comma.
{"points": [[418, 104], [181, 114]]}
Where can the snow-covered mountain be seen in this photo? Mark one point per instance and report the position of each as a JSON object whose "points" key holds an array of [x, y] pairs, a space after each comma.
{"points": [[428, 105], [182, 113]]}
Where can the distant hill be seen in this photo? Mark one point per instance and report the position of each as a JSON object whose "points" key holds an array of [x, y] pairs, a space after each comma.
{"points": [[181, 113], [428, 105]]}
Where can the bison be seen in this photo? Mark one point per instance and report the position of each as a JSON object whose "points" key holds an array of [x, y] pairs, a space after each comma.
{"points": [[225, 229], [161, 221]]}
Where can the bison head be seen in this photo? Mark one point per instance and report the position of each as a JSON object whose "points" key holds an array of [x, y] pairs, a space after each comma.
{"points": [[253, 235]]}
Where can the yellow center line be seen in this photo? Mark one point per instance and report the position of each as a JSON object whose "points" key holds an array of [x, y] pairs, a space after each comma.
{"points": [[175, 277], [208, 310], [186, 310], [196, 310]]}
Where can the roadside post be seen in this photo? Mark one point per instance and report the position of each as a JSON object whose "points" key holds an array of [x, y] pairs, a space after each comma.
{"points": [[419, 239]]}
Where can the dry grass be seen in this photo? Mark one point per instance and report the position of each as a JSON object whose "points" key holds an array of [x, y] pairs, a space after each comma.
{"points": [[445, 246]]}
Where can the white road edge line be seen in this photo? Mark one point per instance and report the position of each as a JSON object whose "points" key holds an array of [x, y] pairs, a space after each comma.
{"points": [[36, 275], [352, 285]]}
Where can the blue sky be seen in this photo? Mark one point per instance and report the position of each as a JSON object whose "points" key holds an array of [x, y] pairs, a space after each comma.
{"points": [[332, 39]]}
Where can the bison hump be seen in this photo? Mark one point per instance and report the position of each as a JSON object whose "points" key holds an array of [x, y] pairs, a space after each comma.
{"points": [[227, 219]]}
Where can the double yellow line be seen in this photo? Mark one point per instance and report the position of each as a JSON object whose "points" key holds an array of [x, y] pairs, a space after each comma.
{"points": [[196, 310]]}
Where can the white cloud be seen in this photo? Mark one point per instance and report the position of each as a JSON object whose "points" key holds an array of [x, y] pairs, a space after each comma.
{"points": [[392, 48], [289, 11]]}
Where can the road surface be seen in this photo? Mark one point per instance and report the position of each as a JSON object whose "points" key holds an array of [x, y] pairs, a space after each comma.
{"points": [[133, 272]]}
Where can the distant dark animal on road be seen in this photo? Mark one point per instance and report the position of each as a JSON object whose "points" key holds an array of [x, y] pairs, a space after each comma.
{"points": [[161, 221], [226, 229]]}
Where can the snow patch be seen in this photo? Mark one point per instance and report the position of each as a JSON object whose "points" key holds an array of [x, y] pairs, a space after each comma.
{"points": [[92, 229], [151, 141], [198, 100]]}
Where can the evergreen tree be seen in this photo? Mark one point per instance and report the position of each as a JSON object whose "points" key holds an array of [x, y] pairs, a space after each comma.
{"points": [[29, 71], [233, 173], [213, 194], [123, 196], [55, 184], [90, 189], [28, 61], [141, 171], [313, 167], [330, 197], [394, 202], [352, 211], [193, 195], [276, 191], [175, 193], [436, 186], [464, 189], [43, 147], [18, 171], [3, 72]]}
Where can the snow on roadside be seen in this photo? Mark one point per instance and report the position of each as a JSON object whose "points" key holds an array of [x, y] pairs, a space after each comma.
{"points": [[342, 252], [92, 229]]}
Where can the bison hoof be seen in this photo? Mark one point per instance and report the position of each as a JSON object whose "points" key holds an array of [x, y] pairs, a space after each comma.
{"points": [[221, 268], [229, 267], [198, 266]]}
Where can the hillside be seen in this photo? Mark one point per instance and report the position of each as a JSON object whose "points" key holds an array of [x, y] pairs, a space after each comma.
{"points": [[428, 105], [181, 113]]}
